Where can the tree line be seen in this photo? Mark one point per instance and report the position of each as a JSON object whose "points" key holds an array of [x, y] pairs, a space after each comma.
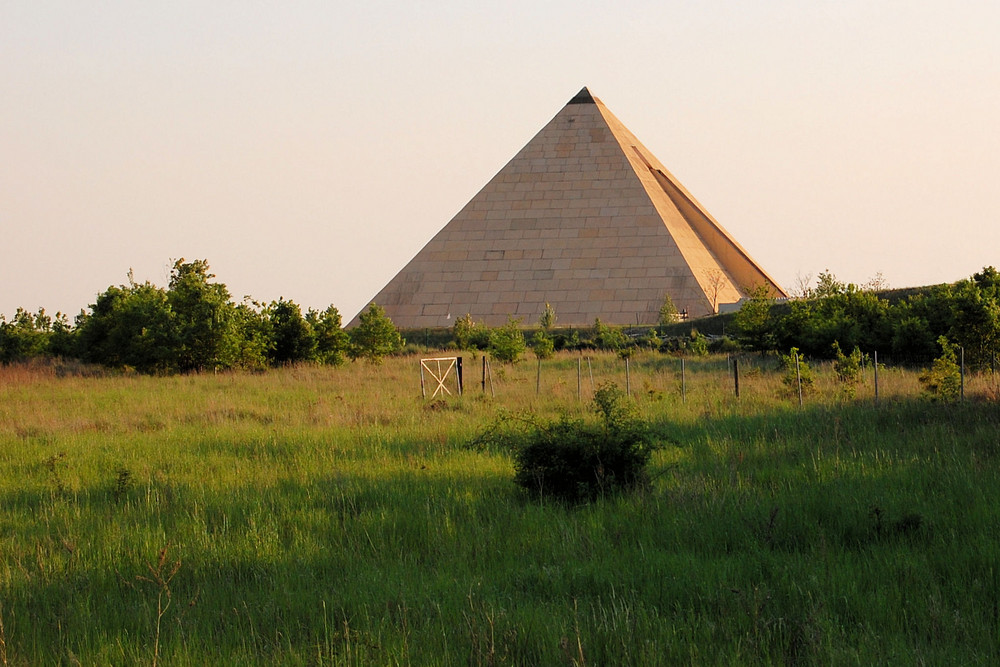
{"points": [[917, 327], [194, 325]]}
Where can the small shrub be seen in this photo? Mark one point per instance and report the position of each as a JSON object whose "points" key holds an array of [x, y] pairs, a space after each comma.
{"points": [[668, 312], [790, 377], [123, 482], [575, 460], [507, 342], [697, 344], [607, 337], [724, 345], [943, 381], [375, 337], [542, 345], [547, 320], [469, 334], [848, 370]]}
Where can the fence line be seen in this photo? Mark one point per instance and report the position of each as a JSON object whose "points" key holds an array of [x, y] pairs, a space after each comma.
{"points": [[750, 374]]}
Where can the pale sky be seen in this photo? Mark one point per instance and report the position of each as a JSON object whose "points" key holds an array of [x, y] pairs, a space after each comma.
{"points": [[308, 150]]}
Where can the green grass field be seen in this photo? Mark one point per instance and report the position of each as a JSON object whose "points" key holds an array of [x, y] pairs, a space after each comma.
{"points": [[324, 516]]}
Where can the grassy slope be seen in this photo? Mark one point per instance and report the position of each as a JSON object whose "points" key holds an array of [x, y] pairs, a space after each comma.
{"points": [[332, 516]]}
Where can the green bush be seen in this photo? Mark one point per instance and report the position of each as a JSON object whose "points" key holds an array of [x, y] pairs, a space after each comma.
{"points": [[542, 345], [791, 377], [944, 379], [507, 342], [576, 460], [848, 370], [375, 336]]}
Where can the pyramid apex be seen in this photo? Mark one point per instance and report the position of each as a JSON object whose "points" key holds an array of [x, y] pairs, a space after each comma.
{"points": [[582, 97]]}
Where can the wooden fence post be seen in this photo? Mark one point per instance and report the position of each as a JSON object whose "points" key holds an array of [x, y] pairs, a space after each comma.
{"points": [[962, 373], [876, 375], [798, 378], [683, 383], [628, 384], [736, 375]]}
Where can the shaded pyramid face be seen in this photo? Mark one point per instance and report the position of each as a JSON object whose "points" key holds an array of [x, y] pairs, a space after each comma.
{"points": [[583, 218]]}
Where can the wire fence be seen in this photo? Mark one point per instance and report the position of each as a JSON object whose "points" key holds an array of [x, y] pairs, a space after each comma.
{"points": [[748, 377]]}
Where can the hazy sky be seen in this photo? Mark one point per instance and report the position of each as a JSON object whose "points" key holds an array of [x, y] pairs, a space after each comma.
{"points": [[308, 150]]}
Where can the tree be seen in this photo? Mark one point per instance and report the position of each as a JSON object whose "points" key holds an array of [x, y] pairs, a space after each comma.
{"points": [[877, 283], [607, 337], [547, 320], [975, 317], [507, 342], [203, 316], [944, 379], [848, 370], [715, 281], [753, 320], [26, 335], [542, 345], [802, 288], [375, 336], [130, 326], [292, 338], [332, 342], [827, 285], [469, 334], [253, 335], [668, 311]]}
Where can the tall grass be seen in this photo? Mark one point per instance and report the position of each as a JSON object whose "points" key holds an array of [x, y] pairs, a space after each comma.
{"points": [[332, 516]]}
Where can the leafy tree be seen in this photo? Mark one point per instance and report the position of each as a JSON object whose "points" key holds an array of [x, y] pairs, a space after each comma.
{"points": [[848, 370], [26, 335], [203, 316], [827, 285], [753, 320], [469, 334], [547, 320], [375, 336], [542, 345], [507, 342], [668, 312], [912, 334], [944, 379], [975, 317], [332, 342], [697, 344], [851, 317], [795, 371], [62, 337], [253, 335], [130, 326], [607, 337], [292, 338]]}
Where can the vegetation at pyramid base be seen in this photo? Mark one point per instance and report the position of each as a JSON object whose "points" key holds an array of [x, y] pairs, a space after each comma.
{"points": [[943, 380], [375, 337], [193, 325], [507, 343]]}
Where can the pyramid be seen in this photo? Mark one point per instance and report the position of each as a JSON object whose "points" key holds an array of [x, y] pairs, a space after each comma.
{"points": [[584, 218]]}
